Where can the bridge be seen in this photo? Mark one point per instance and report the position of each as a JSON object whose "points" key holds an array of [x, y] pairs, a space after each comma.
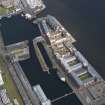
{"points": [[61, 97]]}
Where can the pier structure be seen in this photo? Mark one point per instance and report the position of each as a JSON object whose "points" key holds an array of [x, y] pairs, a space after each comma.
{"points": [[22, 83], [30, 93], [40, 94], [41, 60], [18, 84], [79, 74], [10, 76], [20, 80], [49, 51], [19, 51]]}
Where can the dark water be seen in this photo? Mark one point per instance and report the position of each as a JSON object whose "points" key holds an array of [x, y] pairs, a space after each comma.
{"points": [[85, 19]]}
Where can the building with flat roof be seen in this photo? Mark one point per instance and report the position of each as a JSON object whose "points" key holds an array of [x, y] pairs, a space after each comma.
{"points": [[19, 51], [41, 96]]}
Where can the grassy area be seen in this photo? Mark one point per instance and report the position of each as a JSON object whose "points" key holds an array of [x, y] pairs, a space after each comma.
{"points": [[6, 10], [8, 83]]}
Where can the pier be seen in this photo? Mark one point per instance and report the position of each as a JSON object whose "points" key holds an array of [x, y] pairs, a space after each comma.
{"points": [[20, 80], [19, 51], [48, 50], [11, 81], [41, 60], [73, 66], [18, 84], [49, 53]]}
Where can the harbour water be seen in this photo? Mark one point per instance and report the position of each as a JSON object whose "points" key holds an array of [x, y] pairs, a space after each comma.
{"points": [[84, 19]]}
